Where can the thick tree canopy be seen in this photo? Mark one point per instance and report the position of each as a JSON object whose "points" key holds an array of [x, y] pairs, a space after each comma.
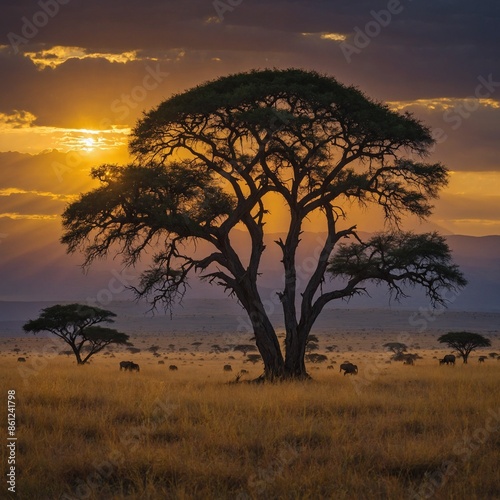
{"points": [[464, 342], [76, 324], [207, 161]]}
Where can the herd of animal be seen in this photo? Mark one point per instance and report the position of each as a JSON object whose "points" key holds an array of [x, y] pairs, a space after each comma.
{"points": [[347, 367]]}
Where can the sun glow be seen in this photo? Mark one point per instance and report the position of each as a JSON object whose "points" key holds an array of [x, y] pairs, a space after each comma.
{"points": [[89, 143]]}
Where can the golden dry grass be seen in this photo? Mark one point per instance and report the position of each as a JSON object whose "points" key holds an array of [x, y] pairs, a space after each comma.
{"points": [[397, 431]]}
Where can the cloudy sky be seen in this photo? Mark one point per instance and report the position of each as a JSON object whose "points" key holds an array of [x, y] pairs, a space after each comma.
{"points": [[77, 74]]}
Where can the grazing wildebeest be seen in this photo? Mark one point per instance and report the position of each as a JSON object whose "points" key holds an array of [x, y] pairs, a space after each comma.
{"points": [[349, 368], [21, 360], [173, 368], [408, 360], [228, 368], [481, 359], [243, 372], [129, 366], [449, 359]]}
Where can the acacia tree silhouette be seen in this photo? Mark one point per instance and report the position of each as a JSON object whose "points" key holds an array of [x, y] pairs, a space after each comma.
{"points": [[207, 161]]}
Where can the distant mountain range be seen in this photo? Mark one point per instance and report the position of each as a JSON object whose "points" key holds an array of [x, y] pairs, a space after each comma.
{"points": [[35, 272]]}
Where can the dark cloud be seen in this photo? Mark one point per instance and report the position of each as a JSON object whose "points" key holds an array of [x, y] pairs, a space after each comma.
{"points": [[431, 48]]}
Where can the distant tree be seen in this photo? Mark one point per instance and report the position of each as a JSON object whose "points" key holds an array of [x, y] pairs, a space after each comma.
{"points": [[254, 358], [197, 345], [464, 342], [311, 346], [396, 347], [245, 348], [210, 161], [75, 324], [316, 358]]}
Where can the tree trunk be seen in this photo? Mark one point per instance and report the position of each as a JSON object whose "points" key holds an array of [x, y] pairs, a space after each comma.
{"points": [[295, 367], [76, 351], [265, 336]]}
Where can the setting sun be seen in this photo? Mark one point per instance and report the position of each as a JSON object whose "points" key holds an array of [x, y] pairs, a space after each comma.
{"points": [[89, 143]]}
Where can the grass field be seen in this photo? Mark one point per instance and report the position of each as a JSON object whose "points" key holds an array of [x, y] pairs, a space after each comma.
{"points": [[392, 431]]}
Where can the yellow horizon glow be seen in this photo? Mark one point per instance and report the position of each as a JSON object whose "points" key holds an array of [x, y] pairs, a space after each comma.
{"points": [[35, 139]]}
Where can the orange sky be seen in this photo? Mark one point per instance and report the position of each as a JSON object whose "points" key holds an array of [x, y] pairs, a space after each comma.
{"points": [[72, 89]]}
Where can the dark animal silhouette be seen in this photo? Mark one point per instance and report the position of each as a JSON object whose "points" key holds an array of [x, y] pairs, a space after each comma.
{"points": [[129, 366], [408, 360], [228, 368], [349, 368], [21, 360], [481, 359], [449, 359], [173, 368]]}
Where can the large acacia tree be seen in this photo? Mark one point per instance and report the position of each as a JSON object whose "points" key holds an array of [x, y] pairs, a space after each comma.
{"points": [[209, 160]]}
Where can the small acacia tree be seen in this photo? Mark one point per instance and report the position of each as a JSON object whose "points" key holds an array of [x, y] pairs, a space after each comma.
{"points": [[210, 161], [76, 324], [464, 342]]}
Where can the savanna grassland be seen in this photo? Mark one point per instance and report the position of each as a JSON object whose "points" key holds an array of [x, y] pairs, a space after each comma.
{"points": [[392, 431]]}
